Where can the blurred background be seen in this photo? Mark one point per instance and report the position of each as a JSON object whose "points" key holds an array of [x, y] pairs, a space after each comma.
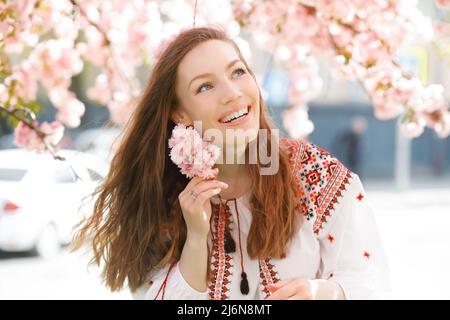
{"points": [[407, 182]]}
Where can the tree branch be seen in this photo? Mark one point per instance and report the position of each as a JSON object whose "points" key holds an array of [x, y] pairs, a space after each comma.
{"points": [[39, 132]]}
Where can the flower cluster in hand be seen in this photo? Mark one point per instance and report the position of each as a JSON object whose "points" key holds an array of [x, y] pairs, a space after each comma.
{"points": [[193, 155]]}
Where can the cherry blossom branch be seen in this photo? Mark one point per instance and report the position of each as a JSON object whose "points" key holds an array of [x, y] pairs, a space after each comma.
{"points": [[39, 132], [107, 43], [409, 112]]}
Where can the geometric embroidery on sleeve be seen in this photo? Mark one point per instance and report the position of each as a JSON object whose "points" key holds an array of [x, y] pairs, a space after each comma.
{"points": [[324, 180], [360, 197], [330, 238]]}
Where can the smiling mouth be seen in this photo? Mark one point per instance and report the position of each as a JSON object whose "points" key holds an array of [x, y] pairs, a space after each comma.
{"points": [[236, 115]]}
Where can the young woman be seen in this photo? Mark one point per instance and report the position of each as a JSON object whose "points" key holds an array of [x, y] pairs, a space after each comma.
{"points": [[305, 231]]}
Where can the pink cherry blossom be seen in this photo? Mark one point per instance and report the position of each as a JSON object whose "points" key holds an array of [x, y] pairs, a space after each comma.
{"points": [[191, 154], [120, 109], [25, 85], [70, 108], [412, 129], [442, 127], [295, 116], [443, 3], [101, 91], [54, 131], [47, 42], [27, 138], [442, 29]]}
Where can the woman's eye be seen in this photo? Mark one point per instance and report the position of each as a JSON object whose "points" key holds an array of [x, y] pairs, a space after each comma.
{"points": [[206, 85], [203, 86], [240, 69]]}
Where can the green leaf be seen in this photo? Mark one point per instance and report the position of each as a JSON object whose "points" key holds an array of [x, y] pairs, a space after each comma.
{"points": [[34, 106], [10, 120]]}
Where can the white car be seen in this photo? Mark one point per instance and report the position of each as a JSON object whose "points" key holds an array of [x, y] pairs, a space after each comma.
{"points": [[101, 142], [41, 198]]}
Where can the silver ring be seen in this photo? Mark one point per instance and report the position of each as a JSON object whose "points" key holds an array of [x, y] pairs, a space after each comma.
{"points": [[193, 194]]}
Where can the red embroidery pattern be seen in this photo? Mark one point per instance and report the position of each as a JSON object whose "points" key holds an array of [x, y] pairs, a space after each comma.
{"points": [[360, 197], [330, 238], [294, 149], [267, 275], [221, 263], [322, 176], [315, 171], [366, 255]]}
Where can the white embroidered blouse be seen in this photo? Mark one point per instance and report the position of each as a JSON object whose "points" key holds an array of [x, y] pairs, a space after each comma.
{"points": [[338, 239]]}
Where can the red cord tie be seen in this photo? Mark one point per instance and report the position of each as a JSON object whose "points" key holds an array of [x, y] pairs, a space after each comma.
{"points": [[230, 246], [164, 284], [244, 281]]}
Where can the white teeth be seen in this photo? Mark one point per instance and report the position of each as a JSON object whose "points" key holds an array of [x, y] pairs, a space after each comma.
{"points": [[235, 114]]}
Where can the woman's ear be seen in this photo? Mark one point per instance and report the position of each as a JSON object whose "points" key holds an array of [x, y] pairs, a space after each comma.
{"points": [[179, 116]]}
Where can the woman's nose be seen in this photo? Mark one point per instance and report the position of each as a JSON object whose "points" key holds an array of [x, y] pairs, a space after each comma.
{"points": [[230, 92]]}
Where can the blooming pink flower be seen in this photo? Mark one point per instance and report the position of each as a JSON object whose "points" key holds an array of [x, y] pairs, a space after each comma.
{"points": [[120, 110], [412, 129], [101, 91], [293, 117], [443, 3], [55, 62], [442, 29], [54, 131], [26, 85], [27, 138], [194, 156], [359, 37], [442, 128], [70, 108]]}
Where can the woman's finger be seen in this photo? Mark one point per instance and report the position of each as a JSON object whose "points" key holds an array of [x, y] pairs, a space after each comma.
{"points": [[205, 185], [301, 296], [194, 181], [187, 195], [281, 283], [202, 197], [197, 180], [277, 285], [284, 292]]}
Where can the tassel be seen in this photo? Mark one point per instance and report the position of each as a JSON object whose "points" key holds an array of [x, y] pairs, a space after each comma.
{"points": [[244, 284], [230, 245]]}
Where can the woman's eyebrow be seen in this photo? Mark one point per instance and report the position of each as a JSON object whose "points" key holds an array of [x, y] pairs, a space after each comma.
{"points": [[203, 75]]}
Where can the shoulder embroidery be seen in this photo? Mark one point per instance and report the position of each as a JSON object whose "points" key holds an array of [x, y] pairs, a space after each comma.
{"points": [[295, 149], [322, 176], [221, 263]]}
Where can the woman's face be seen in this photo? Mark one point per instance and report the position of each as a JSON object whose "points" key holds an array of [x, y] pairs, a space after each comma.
{"points": [[214, 86]]}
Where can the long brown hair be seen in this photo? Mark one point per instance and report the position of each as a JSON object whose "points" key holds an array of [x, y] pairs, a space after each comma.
{"points": [[137, 205]]}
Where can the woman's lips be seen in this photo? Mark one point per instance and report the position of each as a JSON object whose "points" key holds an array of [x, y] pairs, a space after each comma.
{"points": [[240, 120]]}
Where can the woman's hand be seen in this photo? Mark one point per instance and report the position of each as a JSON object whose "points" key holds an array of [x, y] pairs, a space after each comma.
{"points": [[195, 205], [291, 289], [305, 289]]}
